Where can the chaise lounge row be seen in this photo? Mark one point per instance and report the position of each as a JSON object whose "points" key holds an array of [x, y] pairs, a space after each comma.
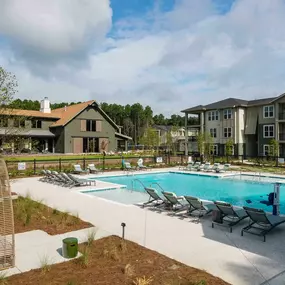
{"points": [[64, 179], [223, 213], [207, 167]]}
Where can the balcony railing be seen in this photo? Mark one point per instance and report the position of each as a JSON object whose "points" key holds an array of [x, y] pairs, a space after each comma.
{"points": [[282, 136], [281, 116]]}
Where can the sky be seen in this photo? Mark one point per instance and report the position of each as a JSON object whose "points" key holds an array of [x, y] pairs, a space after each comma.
{"points": [[168, 54]]}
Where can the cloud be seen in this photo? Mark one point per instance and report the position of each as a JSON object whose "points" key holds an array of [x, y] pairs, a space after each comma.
{"points": [[193, 54], [54, 26]]}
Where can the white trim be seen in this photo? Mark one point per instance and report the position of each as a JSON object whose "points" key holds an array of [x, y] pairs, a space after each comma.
{"points": [[213, 115], [268, 151], [227, 131], [268, 126], [268, 111], [228, 114]]}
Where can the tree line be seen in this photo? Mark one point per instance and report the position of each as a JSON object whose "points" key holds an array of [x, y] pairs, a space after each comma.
{"points": [[134, 119]]}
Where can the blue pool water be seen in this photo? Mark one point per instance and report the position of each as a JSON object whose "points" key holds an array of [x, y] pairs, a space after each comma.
{"points": [[235, 192]]}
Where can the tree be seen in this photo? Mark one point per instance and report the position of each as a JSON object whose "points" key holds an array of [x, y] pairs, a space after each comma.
{"points": [[229, 147], [8, 88], [273, 148], [205, 144], [150, 139]]}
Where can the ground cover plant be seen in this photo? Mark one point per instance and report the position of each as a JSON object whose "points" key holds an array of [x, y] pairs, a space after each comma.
{"points": [[112, 260], [33, 215]]}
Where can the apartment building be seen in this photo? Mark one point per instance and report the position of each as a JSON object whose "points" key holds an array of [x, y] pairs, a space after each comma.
{"points": [[251, 125], [79, 128], [177, 135]]}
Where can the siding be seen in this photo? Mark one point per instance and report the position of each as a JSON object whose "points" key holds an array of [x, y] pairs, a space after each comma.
{"points": [[73, 129]]}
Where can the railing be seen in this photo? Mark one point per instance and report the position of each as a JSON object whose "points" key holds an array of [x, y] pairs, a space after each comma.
{"points": [[281, 116], [133, 183], [282, 136]]}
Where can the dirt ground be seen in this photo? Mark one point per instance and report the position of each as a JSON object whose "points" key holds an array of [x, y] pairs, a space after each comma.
{"points": [[32, 215], [112, 261]]}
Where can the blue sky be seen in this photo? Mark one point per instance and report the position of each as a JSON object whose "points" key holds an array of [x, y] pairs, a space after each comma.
{"points": [[169, 54]]}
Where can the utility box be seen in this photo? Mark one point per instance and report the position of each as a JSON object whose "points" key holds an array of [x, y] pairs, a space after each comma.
{"points": [[217, 217], [70, 247]]}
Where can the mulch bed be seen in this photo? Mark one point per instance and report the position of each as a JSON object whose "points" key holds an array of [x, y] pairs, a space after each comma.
{"points": [[32, 215], [113, 261]]}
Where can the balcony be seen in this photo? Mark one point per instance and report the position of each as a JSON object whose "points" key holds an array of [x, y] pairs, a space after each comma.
{"points": [[282, 136], [281, 116]]}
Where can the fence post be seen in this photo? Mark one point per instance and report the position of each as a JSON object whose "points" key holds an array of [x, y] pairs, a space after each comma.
{"points": [[103, 161], [84, 163], [35, 166], [59, 165]]}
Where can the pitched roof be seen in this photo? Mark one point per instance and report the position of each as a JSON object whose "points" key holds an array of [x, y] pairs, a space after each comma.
{"points": [[69, 112], [28, 113], [231, 102]]}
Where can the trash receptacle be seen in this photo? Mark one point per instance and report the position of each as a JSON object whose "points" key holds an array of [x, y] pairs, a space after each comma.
{"points": [[217, 217], [69, 247]]}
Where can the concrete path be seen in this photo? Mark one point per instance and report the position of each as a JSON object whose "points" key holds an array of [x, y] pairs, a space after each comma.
{"points": [[35, 247], [238, 260]]}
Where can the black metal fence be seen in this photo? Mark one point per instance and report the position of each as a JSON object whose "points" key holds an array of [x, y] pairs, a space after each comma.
{"points": [[32, 167]]}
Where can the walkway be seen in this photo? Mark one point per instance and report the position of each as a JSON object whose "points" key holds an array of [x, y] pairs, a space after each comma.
{"points": [[238, 260]]}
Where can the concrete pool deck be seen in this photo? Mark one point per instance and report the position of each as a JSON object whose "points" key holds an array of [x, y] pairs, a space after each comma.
{"points": [[238, 260]]}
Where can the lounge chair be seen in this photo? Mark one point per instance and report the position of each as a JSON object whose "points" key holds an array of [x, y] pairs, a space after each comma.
{"points": [[215, 167], [189, 166], [154, 198], [81, 182], [79, 170], [45, 177], [176, 204], [261, 223], [92, 168], [141, 166], [195, 204], [197, 165], [206, 166], [230, 215], [225, 168], [128, 167]]}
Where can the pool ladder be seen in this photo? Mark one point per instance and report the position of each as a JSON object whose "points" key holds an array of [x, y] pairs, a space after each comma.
{"points": [[133, 184], [155, 183]]}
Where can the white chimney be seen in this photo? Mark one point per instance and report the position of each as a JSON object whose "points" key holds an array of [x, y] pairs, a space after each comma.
{"points": [[45, 105]]}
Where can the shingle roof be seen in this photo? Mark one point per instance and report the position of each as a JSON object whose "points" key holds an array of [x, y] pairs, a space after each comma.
{"points": [[231, 102], [69, 112], [28, 113]]}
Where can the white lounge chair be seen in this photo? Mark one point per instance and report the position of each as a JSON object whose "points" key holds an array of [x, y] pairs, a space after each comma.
{"points": [[224, 168], [79, 170], [128, 167], [206, 166], [92, 168]]}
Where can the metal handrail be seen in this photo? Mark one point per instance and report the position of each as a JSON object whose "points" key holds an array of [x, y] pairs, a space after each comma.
{"points": [[134, 180]]}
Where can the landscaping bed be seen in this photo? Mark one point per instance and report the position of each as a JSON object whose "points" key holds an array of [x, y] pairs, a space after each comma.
{"points": [[33, 215], [114, 261]]}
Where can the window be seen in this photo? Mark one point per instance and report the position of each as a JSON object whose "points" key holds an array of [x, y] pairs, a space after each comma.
{"points": [[213, 133], [267, 149], [90, 125], [36, 124], [268, 131], [227, 114], [19, 123], [4, 122], [227, 132], [213, 116], [215, 150], [268, 112]]}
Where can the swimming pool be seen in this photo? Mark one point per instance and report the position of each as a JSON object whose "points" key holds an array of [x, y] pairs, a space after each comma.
{"points": [[211, 188]]}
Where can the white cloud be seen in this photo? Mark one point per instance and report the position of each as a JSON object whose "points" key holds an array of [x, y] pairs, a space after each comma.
{"points": [[54, 26], [172, 61]]}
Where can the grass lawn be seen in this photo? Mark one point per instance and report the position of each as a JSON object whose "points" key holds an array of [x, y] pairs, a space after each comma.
{"points": [[32, 215], [114, 261], [268, 169]]}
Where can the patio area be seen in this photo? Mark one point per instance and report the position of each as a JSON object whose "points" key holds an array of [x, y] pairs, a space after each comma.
{"points": [[238, 260]]}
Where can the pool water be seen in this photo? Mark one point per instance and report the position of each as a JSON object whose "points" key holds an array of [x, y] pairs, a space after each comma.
{"points": [[236, 192]]}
